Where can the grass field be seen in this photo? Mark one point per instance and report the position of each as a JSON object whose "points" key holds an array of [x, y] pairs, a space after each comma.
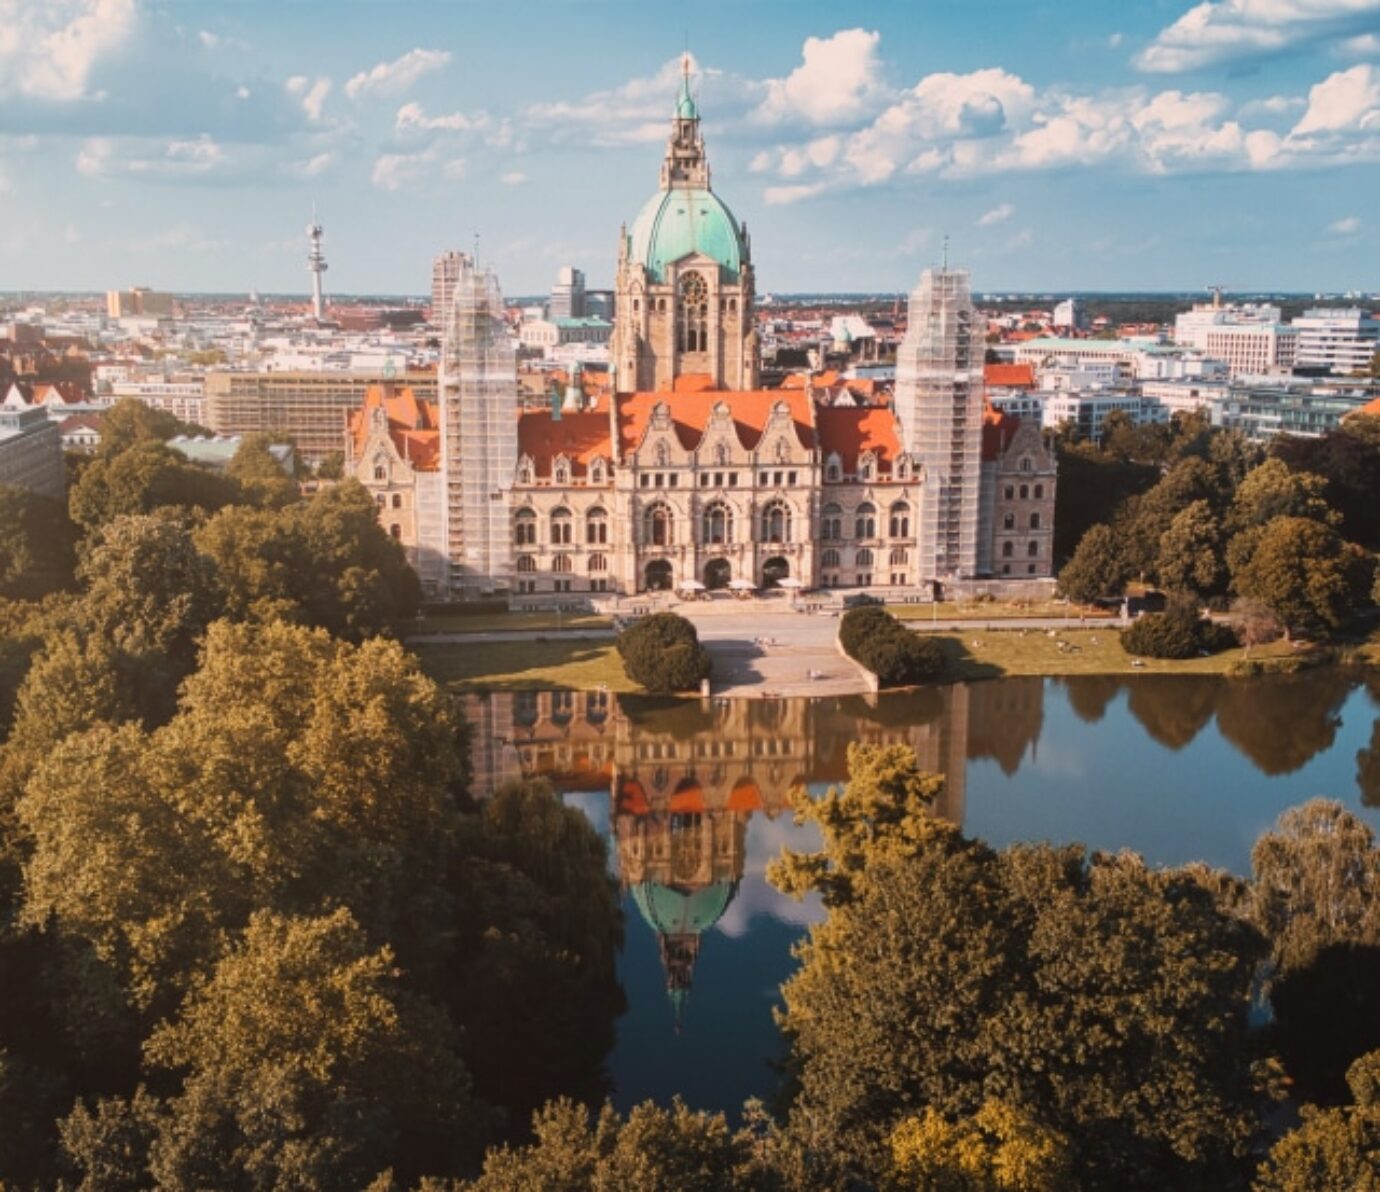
{"points": [[994, 610], [988, 655], [526, 666], [501, 622]]}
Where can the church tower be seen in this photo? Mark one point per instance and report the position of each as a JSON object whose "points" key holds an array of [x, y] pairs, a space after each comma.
{"points": [[685, 284]]}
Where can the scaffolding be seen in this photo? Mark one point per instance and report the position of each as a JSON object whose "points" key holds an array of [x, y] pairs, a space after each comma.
{"points": [[939, 406], [479, 412]]}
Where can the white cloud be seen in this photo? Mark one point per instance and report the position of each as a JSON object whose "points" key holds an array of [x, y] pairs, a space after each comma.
{"points": [[412, 116], [313, 167], [71, 234], [101, 157], [513, 178], [781, 196], [182, 237], [1345, 227], [48, 49], [839, 80], [208, 39], [999, 214], [312, 94], [1273, 105], [1115, 40], [392, 78], [1363, 45], [914, 241], [393, 171], [1345, 100], [1221, 30], [241, 92]]}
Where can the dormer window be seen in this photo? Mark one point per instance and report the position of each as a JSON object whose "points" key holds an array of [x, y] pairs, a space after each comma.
{"points": [[525, 471], [560, 471], [596, 472], [867, 466], [833, 468]]}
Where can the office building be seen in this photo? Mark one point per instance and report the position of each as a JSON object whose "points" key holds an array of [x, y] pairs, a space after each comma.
{"points": [[567, 295], [1337, 340]]}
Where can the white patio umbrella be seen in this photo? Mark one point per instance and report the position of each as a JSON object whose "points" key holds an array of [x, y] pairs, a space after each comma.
{"points": [[789, 582], [692, 585], [741, 585]]}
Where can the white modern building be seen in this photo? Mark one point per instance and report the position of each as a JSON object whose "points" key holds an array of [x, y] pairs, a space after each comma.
{"points": [[567, 295], [1342, 340], [1192, 327]]}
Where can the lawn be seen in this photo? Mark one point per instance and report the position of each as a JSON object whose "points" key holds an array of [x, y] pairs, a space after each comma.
{"points": [[505, 622], [526, 666], [984, 655], [994, 610]]}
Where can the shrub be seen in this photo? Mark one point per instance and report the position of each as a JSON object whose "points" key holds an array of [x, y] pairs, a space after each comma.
{"points": [[1178, 633], [899, 658], [663, 653]]}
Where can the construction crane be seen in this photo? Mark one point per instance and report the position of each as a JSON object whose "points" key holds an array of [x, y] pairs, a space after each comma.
{"points": [[1217, 289]]}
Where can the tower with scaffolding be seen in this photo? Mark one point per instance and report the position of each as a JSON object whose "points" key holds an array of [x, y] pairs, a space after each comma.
{"points": [[316, 266], [479, 412], [939, 406]]}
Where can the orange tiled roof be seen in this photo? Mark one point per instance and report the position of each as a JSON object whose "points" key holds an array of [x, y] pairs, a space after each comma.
{"points": [[412, 424], [690, 413], [1370, 409], [1009, 376], [581, 437], [853, 430]]}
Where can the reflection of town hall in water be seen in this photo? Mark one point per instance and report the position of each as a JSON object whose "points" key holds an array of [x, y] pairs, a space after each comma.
{"points": [[685, 777], [679, 468]]}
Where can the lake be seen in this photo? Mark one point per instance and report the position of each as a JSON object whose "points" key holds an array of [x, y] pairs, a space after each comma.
{"points": [[692, 798]]}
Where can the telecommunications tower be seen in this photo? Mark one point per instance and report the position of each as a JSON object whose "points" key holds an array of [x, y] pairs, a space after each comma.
{"points": [[316, 266]]}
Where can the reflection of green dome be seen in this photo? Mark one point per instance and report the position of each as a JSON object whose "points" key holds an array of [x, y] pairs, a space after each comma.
{"points": [[670, 911], [682, 220]]}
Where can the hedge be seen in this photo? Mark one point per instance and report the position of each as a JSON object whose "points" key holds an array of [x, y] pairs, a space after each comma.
{"points": [[1176, 634], [898, 657], [663, 653]]}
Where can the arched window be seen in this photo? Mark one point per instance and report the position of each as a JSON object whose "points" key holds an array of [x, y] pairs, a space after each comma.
{"points": [[693, 314], [525, 471], [598, 563], [1007, 550], [380, 472], [718, 524], [776, 522], [1008, 521], [867, 466], [561, 472], [657, 526], [864, 558], [1034, 521], [1039, 492], [831, 522], [525, 528], [833, 469], [596, 527], [1026, 464], [396, 531], [900, 520], [561, 531], [829, 558], [596, 472], [865, 523], [397, 500], [561, 563], [899, 558], [1032, 549], [1025, 491], [526, 563]]}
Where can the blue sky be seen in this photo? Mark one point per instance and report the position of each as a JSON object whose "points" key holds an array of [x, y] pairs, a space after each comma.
{"points": [[1072, 145]]}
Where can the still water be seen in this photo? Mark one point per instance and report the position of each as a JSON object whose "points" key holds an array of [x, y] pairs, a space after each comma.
{"points": [[692, 799]]}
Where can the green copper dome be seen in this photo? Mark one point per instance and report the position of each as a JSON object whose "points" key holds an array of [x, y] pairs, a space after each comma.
{"points": [[670, 911], [684, 220]]}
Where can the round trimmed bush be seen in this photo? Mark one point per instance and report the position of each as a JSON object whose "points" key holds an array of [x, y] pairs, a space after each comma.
{"points": [[1176, 634], [663, 653]]}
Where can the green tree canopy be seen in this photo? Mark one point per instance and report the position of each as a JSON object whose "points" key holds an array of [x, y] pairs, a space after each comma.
{"points": [[130, 421], [260, 476], [36, 545], [141, 478], [1099, 567], [1190, 556], [1272, 490], [1303, 571]]}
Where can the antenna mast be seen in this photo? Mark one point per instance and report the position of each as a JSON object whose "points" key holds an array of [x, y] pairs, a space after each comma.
{"points": [[316, 266]]}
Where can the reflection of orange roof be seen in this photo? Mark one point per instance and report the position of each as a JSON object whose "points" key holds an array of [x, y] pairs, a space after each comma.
{"points": [[1009, 376], [632, 798], [998, 429], [690, 411], [412, 424], [581, 437], [745, 796], [687, 797], [851, 430]]}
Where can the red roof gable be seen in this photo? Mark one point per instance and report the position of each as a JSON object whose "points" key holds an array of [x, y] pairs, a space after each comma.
{"points": [[581, 437], [412, 424], [853, 430], [690, 413]]}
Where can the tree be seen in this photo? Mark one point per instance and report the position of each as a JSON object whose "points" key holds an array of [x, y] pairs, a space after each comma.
{"points": [[1303, 572], [1098, 568], [1143, 520], [1349, 458], [663, 653], [1179, 632], [305, 1064], [144, 477], [655, 1149], [1282, 721], [148, 591], [260, 476], [1106, 1000], [1333, 1148], [1190, 558], [36, 545], [1272, 490], [1316, 882], [998, 1149], [259, 562], [332, 466], [130, 421]]}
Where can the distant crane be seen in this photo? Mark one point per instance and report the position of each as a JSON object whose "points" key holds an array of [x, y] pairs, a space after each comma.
{"points": [[316, 266], [1217, 290]]}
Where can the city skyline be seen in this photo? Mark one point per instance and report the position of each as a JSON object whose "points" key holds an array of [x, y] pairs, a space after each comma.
{"points": [[1164, 148]]}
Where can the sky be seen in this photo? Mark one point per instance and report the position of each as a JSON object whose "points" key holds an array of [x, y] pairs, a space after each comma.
{"points": [[1153, 145]]}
